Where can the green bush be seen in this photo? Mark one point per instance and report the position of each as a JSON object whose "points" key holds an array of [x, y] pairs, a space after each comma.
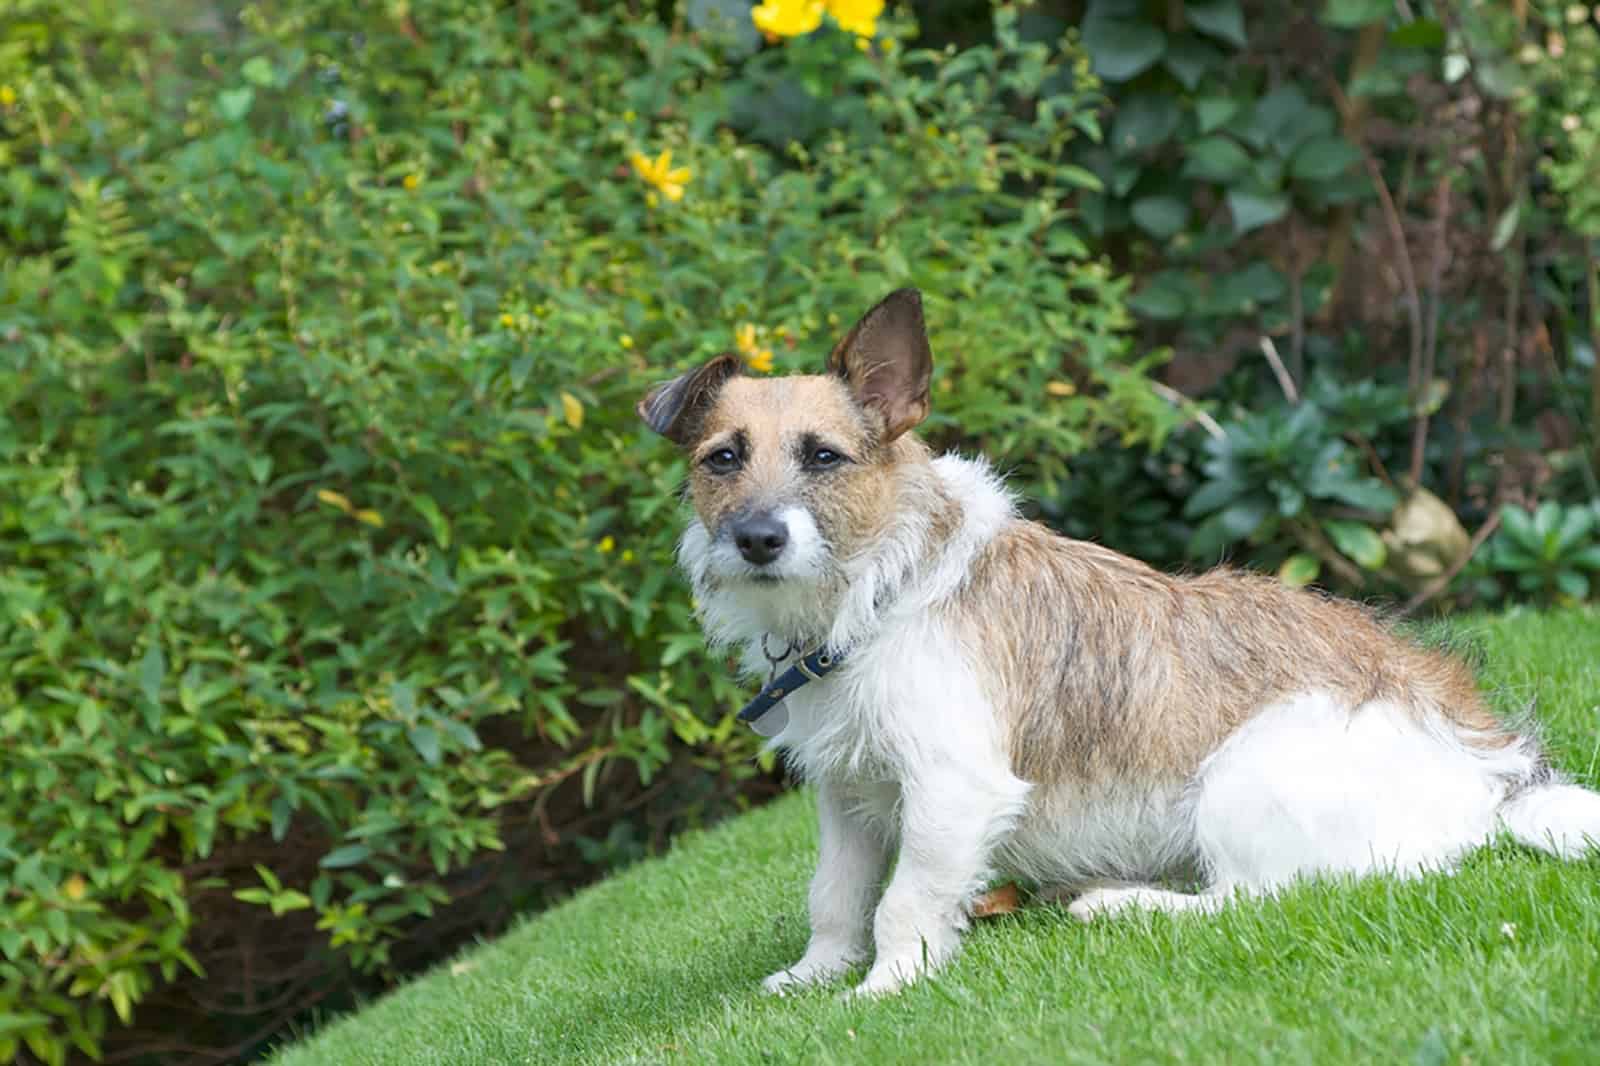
{"points": [[332, 551]]}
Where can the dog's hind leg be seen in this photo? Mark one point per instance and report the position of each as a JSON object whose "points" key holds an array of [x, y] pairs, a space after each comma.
{"points": [[1103, 902]]}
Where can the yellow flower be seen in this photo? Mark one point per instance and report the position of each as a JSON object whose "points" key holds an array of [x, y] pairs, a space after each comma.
{"points": [[1060, 388], [660, 173], [626, 340], [411, 181], [787, 18], [607, 545], [508, 320], [8, 96], [572, 410], [859, 17], [755, 356]]}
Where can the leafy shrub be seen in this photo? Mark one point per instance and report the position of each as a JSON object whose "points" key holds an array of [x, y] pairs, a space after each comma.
{"points": [[1551, 554], [335, 563]]}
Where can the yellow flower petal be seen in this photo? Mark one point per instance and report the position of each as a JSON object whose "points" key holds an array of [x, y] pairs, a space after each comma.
{"points": [[679, 176], [572, 410], [671, 191], [1060, 388], [787, 18], [607, 544], [859, 17], [370, 517]]}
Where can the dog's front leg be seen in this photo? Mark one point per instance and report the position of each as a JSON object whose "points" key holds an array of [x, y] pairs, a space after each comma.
{"points": [[951, 817], [851, 860]]}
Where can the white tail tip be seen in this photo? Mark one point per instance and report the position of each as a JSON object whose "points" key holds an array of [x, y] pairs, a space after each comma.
{"points": [[1561, 819]]}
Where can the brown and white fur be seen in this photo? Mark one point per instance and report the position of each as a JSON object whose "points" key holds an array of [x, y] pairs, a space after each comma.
{"points": [[1013, 702]]}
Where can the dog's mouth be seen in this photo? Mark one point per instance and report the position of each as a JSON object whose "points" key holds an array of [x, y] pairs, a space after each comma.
{"points": [[762, 577]]}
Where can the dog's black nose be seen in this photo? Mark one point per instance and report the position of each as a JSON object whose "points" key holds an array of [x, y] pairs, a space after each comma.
{"points": [[760, 538]]}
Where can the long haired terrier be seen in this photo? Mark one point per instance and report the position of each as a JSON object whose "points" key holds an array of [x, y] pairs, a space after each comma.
{"points": [[979, 696]]}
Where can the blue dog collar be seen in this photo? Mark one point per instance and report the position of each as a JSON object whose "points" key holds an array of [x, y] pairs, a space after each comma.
{"points": [[763, 713]]}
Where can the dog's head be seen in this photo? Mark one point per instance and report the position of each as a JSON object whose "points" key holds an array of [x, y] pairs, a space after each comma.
{"points": [[790, 475]]}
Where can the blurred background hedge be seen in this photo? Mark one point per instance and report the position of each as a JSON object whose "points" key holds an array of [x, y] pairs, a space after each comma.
{"points": [[337, 615]]}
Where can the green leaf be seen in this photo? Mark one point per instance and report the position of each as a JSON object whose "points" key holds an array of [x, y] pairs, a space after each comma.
{"points": [[1572, 584], [1215, 158], [1222, 19], [1518, 525], [1576, 525], [234, 104], [1190, 59], [349, 855], [1212, 111], [257, 71], [435, 517], [1122, 48], [1160, 216], [1352, 14], [88, 717], [1163, 297], [426, 740], [1212, 496], [1299, 570], [1322, 159], [1144, 121], [1419, 33], [1585, 558], [1254, 210], [12, 1023], [152, 669], [1358, 541], [1246, 291]]}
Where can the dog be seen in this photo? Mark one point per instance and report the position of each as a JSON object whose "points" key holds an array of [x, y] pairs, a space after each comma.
{"points": [[981, 696]]}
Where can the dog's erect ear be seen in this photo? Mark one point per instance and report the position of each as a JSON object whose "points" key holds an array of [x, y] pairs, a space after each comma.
{"points": [[675, 408], [886, 361]]}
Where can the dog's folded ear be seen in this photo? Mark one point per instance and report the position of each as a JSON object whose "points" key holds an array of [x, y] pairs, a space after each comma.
{"points": [[675, 408], [886, 361]]}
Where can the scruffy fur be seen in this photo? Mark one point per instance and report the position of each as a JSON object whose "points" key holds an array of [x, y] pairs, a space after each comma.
{"points": [[1015, 702]]}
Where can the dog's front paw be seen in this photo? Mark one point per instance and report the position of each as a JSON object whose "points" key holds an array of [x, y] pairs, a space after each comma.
{"points": [[808, 971], [882, 980]]}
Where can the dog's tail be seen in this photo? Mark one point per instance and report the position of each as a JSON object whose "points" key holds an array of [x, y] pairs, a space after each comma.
{"points": [[1555, 816]]}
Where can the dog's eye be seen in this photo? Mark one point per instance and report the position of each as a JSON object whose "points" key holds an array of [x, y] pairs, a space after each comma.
{"points": [[722, 461], [823, 458]]}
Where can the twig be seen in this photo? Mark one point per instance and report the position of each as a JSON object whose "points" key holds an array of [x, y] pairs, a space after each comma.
{"points": [[1183, 403], [1593, 271], [1311, 537], [1285, 382], [1372, 456], [1408, 274], [1440, 583], [1430, 343]]}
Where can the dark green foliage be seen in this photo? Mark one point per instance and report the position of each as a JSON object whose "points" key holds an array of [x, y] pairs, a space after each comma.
{"points": [[334, 561]]}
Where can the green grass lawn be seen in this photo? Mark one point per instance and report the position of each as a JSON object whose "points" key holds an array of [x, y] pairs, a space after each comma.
{"points": [[661, 964]]}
